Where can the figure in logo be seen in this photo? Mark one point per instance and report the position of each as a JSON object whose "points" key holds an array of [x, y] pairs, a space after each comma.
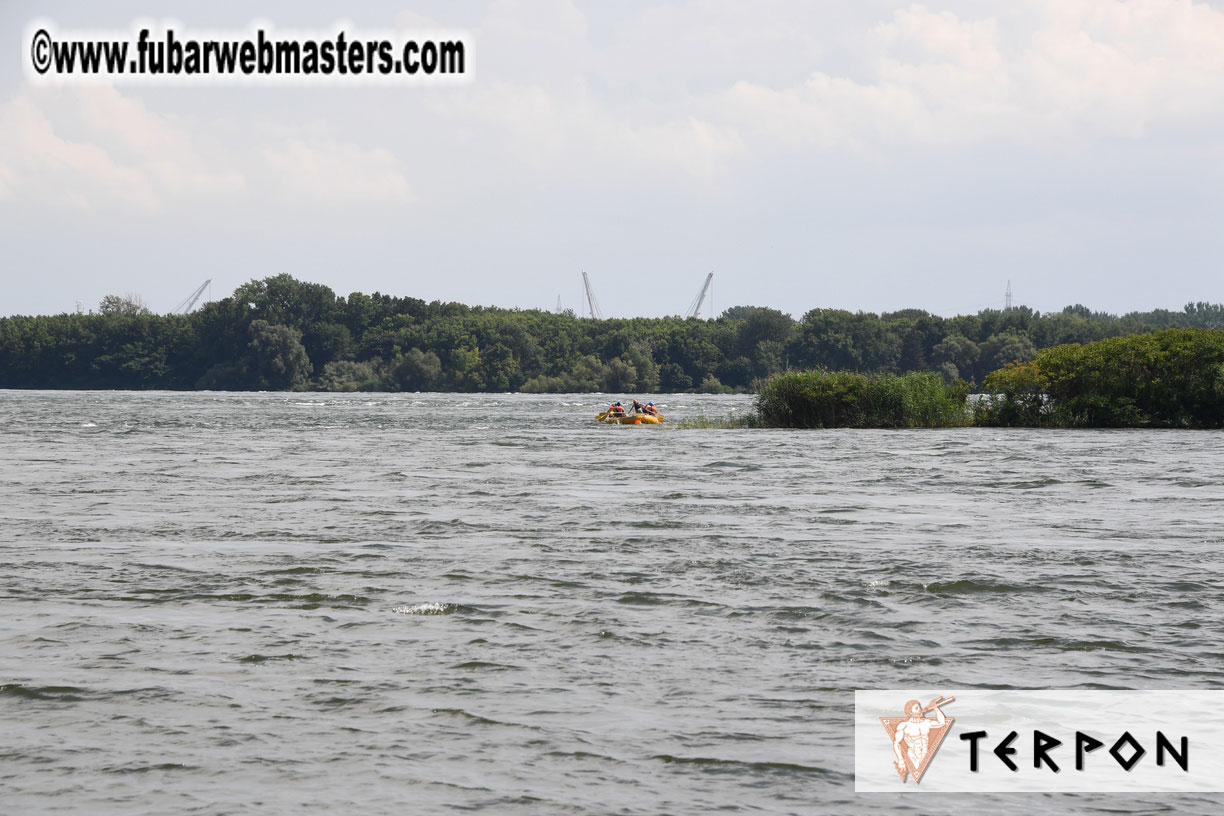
{"points": [[916, 737]]}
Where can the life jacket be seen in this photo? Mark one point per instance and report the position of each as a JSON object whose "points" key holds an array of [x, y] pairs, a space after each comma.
{"points": [[650, 409]]}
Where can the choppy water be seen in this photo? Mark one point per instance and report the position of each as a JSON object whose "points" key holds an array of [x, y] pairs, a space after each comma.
{"points": [[219, 603]]}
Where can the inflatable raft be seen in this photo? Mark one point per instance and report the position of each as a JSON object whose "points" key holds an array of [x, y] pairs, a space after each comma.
{"points": [[629, 419]]}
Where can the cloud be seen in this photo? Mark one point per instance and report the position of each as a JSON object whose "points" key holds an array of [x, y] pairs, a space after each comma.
{"points": [[92, 148], [327, 171], [157, 143], [546, 109], [1073, 69], [6, 181], [1143, 59], [1055, 75], [696, 147], [534, 42], [63, 171], [556, 135]]}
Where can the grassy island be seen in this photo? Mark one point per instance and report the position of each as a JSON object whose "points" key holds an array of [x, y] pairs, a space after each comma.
{"points": [[1168, 379], [823, 399]]}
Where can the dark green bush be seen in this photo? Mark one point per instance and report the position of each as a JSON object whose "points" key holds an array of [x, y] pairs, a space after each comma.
{"points": [[822, 399], [1170, 379]]}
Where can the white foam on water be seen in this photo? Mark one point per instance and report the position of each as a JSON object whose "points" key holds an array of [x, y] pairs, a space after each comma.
{"points": [[424, 609]]}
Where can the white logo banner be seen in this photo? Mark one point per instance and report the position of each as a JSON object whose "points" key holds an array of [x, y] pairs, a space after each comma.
{"points": [[975, 740]]}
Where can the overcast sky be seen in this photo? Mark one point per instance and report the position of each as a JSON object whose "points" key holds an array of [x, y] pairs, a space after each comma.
{"points": [[864, 155]]}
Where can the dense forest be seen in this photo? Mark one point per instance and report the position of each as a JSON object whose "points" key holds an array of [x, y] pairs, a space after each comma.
{"points": [[281, 333]]}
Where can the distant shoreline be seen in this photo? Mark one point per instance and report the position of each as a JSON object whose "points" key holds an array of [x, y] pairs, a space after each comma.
{"points": [[282, 334]]}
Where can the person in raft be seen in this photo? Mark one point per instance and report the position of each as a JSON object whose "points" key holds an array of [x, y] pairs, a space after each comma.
{"points": [[616, 409], [651, 409], [638, 408]]}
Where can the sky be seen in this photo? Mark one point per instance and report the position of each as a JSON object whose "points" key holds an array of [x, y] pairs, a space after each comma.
{"points": [[861, 155]]}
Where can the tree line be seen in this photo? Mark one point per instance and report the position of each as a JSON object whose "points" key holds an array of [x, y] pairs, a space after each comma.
{"points": [[280, 333]]}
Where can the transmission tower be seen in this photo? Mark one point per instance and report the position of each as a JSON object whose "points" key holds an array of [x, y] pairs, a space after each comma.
{"points": [[1007, 303]]}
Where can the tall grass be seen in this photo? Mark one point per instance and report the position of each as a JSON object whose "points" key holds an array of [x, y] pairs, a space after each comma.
{"points": [[749, 420], [824, 399]]}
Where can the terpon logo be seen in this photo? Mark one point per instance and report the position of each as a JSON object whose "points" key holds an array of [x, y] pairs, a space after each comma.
{"points": [[1013, 741], [916, 737]]}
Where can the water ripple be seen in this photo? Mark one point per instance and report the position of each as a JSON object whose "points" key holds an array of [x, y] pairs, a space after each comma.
{"points": [[349, 602]]}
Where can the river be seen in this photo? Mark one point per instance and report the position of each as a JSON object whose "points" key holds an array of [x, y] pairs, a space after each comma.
{"points": [[395, 603]]}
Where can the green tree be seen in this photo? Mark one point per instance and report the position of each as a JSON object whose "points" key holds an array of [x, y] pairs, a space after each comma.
{"points": [[463, 370], [960, 353], [276, 358], [325, 342], [839, 340], [620, 376], [347, 375], [284, 300], [1007, 347], [416, 370], [1168, 379], [128, 304]]}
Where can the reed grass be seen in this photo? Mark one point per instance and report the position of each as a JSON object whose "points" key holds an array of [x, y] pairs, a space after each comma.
{"points": [[824, 399], [750, 420]]}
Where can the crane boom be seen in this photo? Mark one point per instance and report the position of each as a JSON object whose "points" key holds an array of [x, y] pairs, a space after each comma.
{"points": [[699, 301], [592, 303], [190, 301]]}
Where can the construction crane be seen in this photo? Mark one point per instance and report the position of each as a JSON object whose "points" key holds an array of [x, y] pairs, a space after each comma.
{"points": [[592, 303], [699, 301], [190, 301]]}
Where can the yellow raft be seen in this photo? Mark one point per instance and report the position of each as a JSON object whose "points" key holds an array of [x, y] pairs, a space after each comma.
{"points": [[629, 419]]}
